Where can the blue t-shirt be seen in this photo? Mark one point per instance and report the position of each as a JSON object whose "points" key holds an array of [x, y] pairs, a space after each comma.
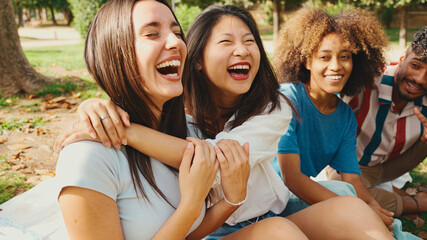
{"points": [[320, 139]]}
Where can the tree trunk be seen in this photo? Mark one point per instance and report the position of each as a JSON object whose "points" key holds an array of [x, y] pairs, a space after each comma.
{"points": [[53, 15], [69, 16], [20, 14], [38, 14], [403, 26], [276, 19], [16, 74]]}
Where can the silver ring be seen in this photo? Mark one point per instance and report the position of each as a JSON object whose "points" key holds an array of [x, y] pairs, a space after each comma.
{"points": [[104, 116]]}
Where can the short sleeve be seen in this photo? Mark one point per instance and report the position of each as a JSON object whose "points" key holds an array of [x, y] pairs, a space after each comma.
{"points": [[90, 165], [288, 142], [345, 159]]}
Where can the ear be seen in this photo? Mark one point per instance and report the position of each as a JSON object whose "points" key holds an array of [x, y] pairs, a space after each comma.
{"points": [[307, 64]]}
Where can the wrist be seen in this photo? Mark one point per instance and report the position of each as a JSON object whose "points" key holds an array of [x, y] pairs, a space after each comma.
{"points": [[236, 203], [191, 208]]}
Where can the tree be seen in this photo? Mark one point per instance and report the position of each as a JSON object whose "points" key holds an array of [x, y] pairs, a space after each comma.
{"points": [[402, 6], [84, 12], [16, 73]]}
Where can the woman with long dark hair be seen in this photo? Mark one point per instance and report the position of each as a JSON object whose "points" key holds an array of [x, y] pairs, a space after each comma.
{"points": [[232, 93]]}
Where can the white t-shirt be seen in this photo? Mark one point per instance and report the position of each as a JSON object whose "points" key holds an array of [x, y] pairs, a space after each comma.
{"points": [[266, 191], [93, 166]]}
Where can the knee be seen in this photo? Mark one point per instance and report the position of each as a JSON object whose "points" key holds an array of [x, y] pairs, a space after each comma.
{"points": [[278, 227], [352, 209]]}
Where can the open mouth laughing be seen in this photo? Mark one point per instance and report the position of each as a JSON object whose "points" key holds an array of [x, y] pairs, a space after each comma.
{"points": [[239, 71], [169, 69]]}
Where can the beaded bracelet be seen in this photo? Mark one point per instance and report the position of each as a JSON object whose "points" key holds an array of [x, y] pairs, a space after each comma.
{"points": [[236, 204]]}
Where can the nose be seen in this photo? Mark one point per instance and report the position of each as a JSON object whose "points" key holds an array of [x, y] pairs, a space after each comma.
{"points": [[173, 41], [421, 77], [241, 51], [334, 64]]}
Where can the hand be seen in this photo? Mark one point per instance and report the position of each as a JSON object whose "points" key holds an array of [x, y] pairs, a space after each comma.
{"points": [[423, 120], [235, 169], [74, 133], [197, 172], [104, 119], [386, 216]]}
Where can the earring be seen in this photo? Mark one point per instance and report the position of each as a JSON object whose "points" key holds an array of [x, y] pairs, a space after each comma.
{"points": [[198, 67]]}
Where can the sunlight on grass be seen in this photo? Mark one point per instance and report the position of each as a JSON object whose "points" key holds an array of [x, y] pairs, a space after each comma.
{"points": [[68, 56], [9, 184]]}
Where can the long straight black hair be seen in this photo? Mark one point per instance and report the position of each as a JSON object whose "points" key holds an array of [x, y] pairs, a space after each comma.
{"points": [[199, 101]]}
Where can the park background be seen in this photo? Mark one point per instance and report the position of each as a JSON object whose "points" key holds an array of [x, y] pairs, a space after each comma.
{"points": [[43, 77]]}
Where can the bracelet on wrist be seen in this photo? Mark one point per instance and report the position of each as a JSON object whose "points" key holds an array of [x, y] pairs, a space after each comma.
{"points": [[236, 204]]}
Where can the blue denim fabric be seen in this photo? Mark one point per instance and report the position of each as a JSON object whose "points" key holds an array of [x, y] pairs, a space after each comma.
{"points": [[226, 229]]}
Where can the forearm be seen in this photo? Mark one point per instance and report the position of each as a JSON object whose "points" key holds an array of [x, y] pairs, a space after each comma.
{"points": [[178, 225], [214, 218], [165, 148], [308, 190], [361, 190]]}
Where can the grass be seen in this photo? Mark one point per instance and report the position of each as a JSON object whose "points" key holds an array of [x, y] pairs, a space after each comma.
{"points": [[69, 57], [419, 176], [19, 124], [393, 35], [10, 184]]}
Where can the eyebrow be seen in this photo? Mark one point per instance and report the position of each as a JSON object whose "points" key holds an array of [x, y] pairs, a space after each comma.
{"points": [[423, 60], [156, 24], [244, 35]]}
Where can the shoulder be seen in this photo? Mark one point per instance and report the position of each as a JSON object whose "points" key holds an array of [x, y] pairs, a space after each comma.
{"points": [[88, 154]]}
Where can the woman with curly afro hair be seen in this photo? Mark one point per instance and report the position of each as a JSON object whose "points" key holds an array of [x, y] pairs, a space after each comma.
{"points": [[319, 56]]}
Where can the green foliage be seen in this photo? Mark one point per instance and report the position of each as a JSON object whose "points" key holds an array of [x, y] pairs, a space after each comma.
{"points": [[389, 3], [385, 15], [9, 184], [186, 15], [200, 3], [333, 7], [84, 12]]}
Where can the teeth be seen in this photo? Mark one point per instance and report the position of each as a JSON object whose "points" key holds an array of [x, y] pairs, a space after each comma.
{"points": [[172, 74], [412, 86], [335, 77], [173, 63], [239, 67]]}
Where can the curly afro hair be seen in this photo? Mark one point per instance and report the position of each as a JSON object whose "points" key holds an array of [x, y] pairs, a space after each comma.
{"points": [[361, 32], [419, 44]]}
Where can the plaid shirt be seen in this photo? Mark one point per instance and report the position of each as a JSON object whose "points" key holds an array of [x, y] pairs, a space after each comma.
{"points": [[383, 132]]}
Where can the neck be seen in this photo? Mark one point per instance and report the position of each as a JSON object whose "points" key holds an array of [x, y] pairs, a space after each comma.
{"points": [[157, 111], [399, 103], [325, 102]]}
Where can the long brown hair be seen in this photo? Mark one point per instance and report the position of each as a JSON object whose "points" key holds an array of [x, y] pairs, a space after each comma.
{"points": [[111, 60], [200, 104]]}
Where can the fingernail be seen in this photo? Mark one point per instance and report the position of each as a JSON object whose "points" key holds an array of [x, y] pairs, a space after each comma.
{"points": [[117, 146], [107, 144], [124, 141], [127, 122], [190, 145], [93, 135]]}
